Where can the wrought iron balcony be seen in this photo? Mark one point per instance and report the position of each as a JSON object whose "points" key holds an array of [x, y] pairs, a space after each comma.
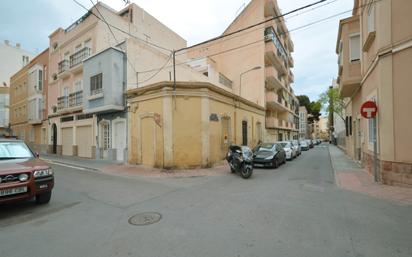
{"points": [[76, 99], [62, 102], [72, 100], [63, 66], [79, 56]]}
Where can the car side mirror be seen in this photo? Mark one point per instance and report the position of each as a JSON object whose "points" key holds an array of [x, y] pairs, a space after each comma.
{"points": [[37, 155]]}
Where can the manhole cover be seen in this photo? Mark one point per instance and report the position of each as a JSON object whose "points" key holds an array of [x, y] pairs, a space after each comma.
{"points": [[145, 218]]}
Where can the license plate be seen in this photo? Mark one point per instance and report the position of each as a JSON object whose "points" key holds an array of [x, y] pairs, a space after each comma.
{"points": [[259, 165], [13, 191]]}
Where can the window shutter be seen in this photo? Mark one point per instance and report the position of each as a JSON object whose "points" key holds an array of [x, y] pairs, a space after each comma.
{"points": [[346, 126], [355, 48]]}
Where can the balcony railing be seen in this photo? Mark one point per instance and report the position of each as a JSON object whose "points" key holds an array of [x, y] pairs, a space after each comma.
{"points": [[72, 100], [76, 99], [79, 56], [62, 102], [63, 66]]}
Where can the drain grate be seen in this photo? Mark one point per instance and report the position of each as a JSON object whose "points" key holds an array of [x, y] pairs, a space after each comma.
{"points": [[145, 218]]}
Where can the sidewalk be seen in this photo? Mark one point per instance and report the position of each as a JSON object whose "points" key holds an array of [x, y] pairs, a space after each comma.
{"points": [[350, 176], [119, 168]]}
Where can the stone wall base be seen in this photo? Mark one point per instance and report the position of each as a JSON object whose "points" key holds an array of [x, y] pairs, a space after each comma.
{"points": [[391, 173], [75, 150]]}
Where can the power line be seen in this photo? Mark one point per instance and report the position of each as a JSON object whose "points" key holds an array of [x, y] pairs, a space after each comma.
{"points": [[252, 26], [114, 36], [283, 33], [260, 27], [125, 32], [157, 71]]}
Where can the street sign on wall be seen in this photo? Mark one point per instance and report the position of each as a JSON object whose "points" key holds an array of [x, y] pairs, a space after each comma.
{"points": [[369, 110]]}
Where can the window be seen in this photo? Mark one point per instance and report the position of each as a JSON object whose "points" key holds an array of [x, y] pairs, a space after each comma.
{"points": [[78, 86], [88, 43], [355, 48], [96, 86], [105, 135], [40, 88], [371, 18], [78, 48]]}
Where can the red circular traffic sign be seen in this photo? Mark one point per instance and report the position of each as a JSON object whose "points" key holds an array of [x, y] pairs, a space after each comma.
{"points": [[369, 109]]}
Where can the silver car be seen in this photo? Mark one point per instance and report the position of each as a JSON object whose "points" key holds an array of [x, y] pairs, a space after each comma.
{"points": [[289, 150]]}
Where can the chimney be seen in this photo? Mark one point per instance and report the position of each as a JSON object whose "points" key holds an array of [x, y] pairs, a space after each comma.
{"points": [[6, 42], [18, 45]]}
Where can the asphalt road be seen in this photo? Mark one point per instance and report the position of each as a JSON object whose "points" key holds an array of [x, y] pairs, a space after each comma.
{"points": [[295, 210]]}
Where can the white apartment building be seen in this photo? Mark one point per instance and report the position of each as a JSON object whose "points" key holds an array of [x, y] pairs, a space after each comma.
{"points": [[303, 122], [12, 59]]}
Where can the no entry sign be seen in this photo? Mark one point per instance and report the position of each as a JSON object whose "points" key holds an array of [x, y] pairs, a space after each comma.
{"points": [[369, 110]]}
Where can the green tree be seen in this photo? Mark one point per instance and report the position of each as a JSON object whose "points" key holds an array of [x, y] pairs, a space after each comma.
{"points": [[313, 108], [332, 102]]}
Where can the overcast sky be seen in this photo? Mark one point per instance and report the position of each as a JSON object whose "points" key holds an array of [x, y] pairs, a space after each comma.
{"points": [[32, 21]]}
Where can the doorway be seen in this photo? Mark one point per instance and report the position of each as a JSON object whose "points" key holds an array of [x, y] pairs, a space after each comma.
{"points": [[54, 138], [244, 132]]}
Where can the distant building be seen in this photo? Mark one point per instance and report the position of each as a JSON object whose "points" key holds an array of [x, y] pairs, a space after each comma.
{"points": [[324, 128], [303, 123], [4, 110], [28, 102], [12, 59]]}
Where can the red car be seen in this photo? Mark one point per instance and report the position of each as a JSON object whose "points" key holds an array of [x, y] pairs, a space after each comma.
{"points": [[22, 174]]}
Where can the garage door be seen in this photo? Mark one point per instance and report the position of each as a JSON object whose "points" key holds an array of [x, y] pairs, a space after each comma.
{"points": [[67, 141], [84, 139]]}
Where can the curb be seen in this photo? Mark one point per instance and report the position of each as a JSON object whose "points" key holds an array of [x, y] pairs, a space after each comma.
{"points": [[337, 182], [71, 165]]}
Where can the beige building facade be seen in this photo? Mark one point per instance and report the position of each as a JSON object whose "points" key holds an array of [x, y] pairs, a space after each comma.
{"points": [[99, 132], [28, 102], [375, 55]]}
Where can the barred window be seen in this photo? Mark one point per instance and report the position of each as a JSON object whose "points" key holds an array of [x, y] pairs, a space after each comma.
{"points": [[105, 135], [96, 84]]}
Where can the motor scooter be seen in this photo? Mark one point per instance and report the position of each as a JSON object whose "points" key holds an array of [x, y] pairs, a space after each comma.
{"points": [[240, 159]]}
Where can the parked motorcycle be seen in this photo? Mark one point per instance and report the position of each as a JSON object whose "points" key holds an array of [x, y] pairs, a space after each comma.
{"points": [[240, 159]]}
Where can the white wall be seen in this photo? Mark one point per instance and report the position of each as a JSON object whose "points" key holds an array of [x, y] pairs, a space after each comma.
{"points": [[11, 61]]}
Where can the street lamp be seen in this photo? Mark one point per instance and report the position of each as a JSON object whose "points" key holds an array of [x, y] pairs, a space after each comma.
{"points": [[241, 74]]}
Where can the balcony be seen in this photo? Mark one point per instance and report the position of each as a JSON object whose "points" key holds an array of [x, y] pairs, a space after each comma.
{"points": [[63, 66], [350, 79], [272, 80], [275, 54], [275, 102], [63, 69], [274, 123], [291, 61], [76, 99], [79, 56], [72, 102], [291, 77]]}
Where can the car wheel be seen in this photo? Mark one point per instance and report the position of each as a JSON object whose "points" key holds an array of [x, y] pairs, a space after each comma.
{"points": [[275, 163], [43, 198]]}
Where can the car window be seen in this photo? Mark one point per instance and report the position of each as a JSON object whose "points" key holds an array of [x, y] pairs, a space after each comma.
{"points": [[14, 150], [285, 144], [265, 147]]}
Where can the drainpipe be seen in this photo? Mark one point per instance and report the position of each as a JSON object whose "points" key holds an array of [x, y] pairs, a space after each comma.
{"points": [[126, 110]]}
